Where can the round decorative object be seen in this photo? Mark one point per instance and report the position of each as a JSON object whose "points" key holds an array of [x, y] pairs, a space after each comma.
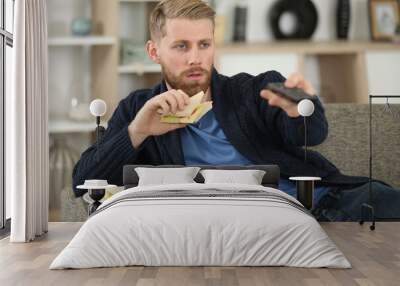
{"points": [[81, 27], [293, 19]]}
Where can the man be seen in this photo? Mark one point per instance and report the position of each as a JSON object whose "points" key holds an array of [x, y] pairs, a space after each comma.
{"points": [[247, 125]]}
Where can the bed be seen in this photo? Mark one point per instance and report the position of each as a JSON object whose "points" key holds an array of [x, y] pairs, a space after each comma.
{"points": [[201, 223]]}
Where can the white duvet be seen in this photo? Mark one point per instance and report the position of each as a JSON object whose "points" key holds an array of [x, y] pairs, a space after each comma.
{"points": [[206, 230]]}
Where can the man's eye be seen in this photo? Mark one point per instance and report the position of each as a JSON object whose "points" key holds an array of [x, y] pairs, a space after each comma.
{"points": [[180, 46], [204, 45]]}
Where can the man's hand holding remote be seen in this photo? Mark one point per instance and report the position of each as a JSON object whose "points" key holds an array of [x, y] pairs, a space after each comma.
{"points": [[295, 80]]}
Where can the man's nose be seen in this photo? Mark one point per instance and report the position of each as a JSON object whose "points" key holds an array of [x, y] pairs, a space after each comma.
{"points": [[194, 57]]}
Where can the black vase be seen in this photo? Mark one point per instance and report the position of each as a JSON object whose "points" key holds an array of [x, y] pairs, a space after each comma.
{"points": [[343, 16], [240, 23]]}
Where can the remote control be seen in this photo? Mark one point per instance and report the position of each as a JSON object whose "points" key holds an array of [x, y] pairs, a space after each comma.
{"points": [[293, 94]]}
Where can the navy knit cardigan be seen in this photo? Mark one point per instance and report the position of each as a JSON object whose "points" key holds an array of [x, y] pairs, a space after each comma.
{"points": [[262, 133]]}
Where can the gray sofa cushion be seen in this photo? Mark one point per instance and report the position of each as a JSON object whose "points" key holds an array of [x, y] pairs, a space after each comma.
{"points": [[347, 145]]}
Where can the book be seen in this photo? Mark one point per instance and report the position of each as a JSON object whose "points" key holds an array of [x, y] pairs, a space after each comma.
{"points": [[193, 112]]}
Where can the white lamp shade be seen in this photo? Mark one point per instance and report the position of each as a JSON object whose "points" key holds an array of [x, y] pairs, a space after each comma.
{"points": [[98, 107], [305, 107]]}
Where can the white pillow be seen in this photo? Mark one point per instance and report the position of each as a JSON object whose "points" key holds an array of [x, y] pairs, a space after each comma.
{"points": [[163, 176], [248, 177]]}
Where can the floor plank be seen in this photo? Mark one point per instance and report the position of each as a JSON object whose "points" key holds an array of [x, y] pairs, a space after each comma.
{"points": [[374, 255]]}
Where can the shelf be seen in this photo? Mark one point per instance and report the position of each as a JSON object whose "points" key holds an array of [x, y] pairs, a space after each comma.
{"points": [[307, 47], [139, 68], [58, 126], [81, 41]]}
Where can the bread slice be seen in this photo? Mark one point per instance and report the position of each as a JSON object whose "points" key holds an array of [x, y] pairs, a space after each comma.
{"points": [[192, 113]]}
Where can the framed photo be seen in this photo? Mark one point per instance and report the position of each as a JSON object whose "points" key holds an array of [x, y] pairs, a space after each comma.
{"points": [[384, 18]]}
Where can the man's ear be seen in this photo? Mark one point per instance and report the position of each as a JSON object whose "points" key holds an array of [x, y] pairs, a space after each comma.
{"points": [[152, 51]]}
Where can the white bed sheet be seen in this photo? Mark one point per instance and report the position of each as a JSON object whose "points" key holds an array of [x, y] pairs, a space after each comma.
{"points": [[191, 231]]}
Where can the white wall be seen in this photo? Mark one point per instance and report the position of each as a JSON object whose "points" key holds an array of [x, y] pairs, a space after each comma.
{"points": [[383, 70], [231, 64]]}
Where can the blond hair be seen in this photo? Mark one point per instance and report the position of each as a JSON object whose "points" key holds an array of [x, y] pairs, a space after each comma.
{"points": [[172, 9]]}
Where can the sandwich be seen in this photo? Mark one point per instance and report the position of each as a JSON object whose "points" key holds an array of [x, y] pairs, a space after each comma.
{"points": [[192, 112]]}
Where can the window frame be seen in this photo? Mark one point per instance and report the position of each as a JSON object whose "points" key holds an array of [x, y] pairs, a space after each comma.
{"points": [[6, 39]]}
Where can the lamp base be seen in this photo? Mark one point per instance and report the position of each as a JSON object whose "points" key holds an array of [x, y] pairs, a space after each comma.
{"points": [[96, 195], [305, 190], [305, 193]]}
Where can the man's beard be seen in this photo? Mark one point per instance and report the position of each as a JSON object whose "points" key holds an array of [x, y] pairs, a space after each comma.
{"points": [[180, 82]]}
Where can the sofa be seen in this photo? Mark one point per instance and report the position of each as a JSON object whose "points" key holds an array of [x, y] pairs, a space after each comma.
{"points": [[347, 146]]}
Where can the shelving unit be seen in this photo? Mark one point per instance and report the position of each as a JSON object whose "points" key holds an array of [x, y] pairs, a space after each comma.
{"points": [[135, 73], [68, 126], [341, 69], [81, 67], [139, 69], [81, 41], [84, 67], [62, 126]]}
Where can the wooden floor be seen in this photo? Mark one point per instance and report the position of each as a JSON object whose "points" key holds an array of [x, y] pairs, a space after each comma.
{"points": [[375, 257]]}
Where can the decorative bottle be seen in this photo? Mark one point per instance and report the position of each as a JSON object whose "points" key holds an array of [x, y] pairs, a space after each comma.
{"points": [[343, 16]]}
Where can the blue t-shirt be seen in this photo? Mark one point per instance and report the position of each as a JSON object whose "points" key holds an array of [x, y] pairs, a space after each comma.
{"points": [[205, 143]]}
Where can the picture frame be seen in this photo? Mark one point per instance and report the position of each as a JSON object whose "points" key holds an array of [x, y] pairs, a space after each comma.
{"points": [[384, 19]]}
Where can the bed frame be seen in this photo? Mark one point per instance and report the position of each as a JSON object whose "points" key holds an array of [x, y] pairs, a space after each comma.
{"points": [[270, 179]]}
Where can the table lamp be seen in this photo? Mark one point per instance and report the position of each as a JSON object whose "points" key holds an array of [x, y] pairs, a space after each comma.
{"points": [[96, 188], [305, 185], [98, 108]]}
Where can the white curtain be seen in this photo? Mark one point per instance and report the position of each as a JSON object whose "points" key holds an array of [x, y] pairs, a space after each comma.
{"points": [[27, 141]]}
